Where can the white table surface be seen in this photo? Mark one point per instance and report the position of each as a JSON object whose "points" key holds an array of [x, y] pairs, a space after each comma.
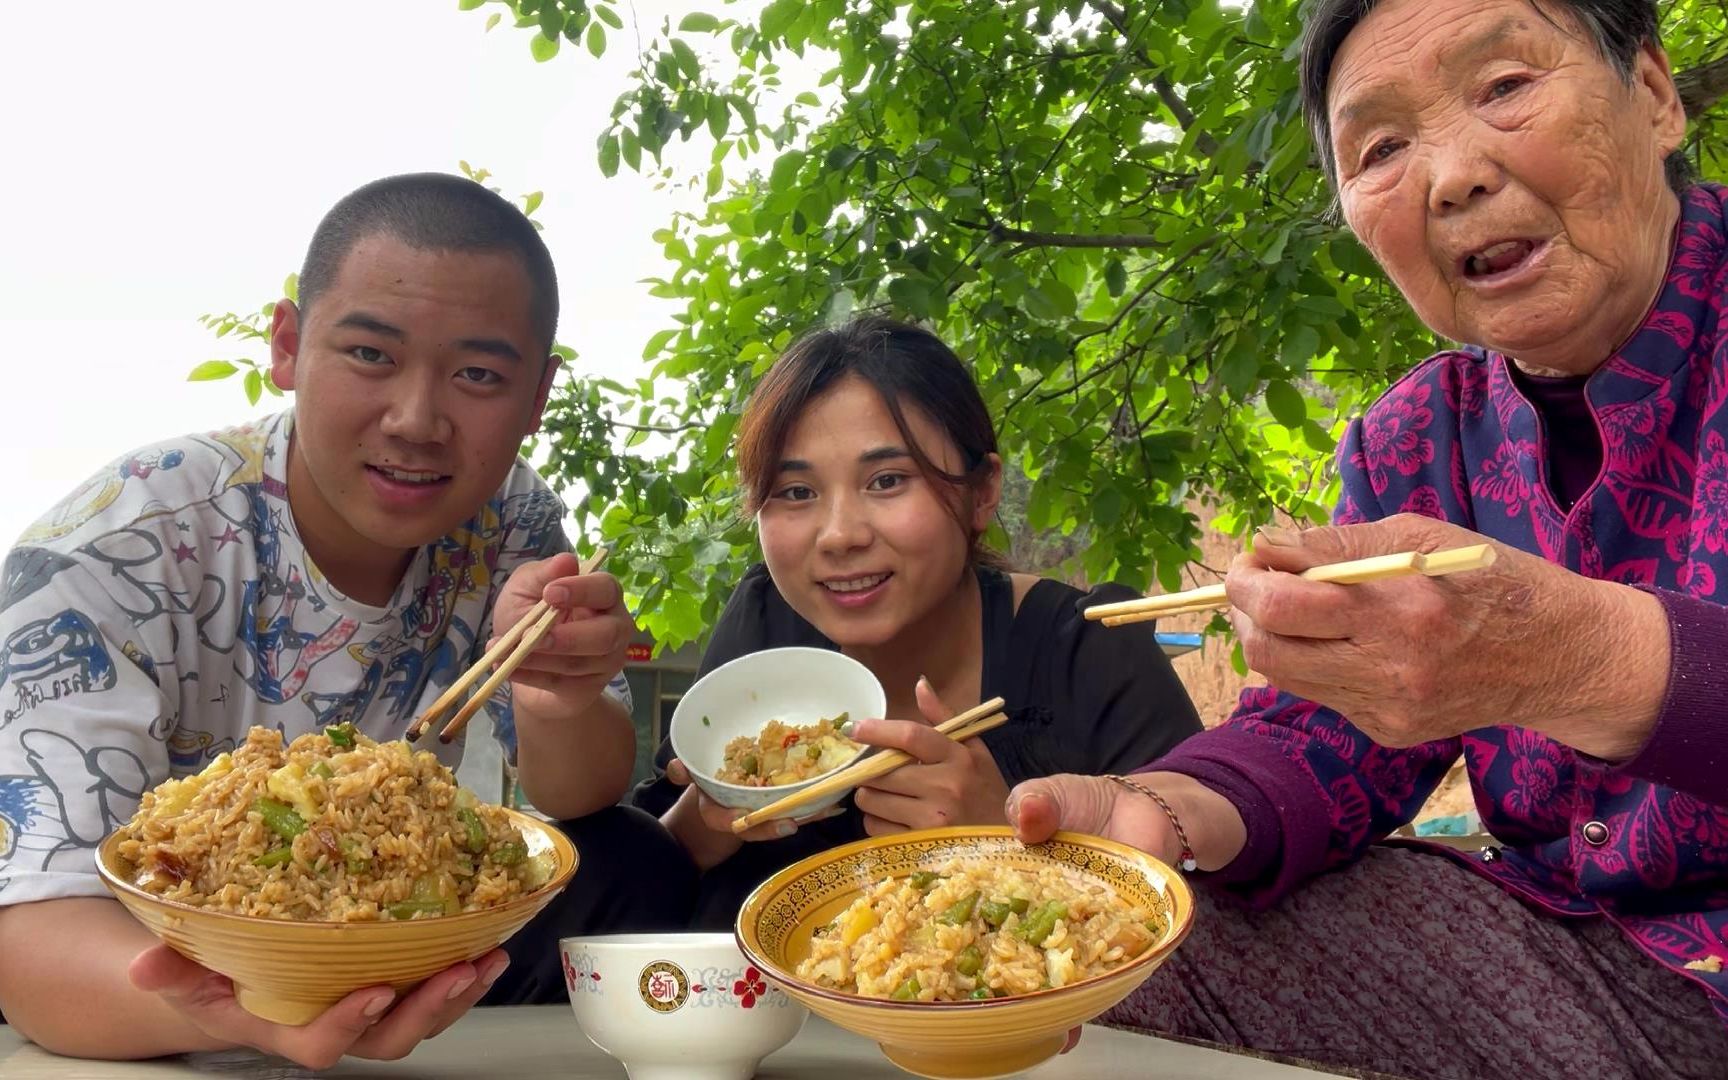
{"points": [[544, 1043]]}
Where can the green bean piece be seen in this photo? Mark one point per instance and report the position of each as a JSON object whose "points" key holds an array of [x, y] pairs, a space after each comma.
{"points": [[280, 818], [906, 991], [812, 751], [983, 993], [509, 853], [281, 856], [970, 961], [749, 764], [960, 910], [1041, 923], [923, 879], [1019, 904], [357, 863], [707, 722], [839, 720], [995, 913], [475, 827], [341, 734], [407, 909], [322, 771]]}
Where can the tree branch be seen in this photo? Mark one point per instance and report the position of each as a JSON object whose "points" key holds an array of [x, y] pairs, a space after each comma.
{"points": [[1004, 234], [1179, 109], [671, 429], [1702, 86]]}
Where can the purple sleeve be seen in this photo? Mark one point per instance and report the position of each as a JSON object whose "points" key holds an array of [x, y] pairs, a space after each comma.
{"points": [[1312, 789], [1283, 809], [1688, 748]]}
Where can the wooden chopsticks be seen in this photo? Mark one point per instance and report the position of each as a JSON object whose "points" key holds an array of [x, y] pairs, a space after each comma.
{"points": [[1211, 597], [966, 725], [508, 654]]}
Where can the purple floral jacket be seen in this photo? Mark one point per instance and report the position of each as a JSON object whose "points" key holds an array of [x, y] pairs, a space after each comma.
{"points": [[1644, 844]]}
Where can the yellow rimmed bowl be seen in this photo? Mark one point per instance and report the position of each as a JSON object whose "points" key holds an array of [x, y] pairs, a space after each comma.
{"points": [[288, 971], [958, 1040]]}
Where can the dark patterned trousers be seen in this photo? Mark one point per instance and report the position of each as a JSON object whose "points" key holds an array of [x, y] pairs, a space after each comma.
{"points": [[1410, 965]]}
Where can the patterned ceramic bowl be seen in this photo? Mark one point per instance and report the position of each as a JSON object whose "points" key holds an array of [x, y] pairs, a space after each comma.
{"points": [[794, 685], [958, 1039], [289, 972], [677, 1006]]}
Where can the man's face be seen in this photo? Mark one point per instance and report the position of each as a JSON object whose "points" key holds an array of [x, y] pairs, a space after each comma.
{"points": [[416, 375]]}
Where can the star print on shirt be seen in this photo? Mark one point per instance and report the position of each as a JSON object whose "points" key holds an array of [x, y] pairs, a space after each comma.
{"points": [[229, 536], [184, 552]]}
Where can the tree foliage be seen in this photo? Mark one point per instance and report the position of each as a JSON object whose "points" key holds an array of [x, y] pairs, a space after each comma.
{"points": [[1110, 209]]}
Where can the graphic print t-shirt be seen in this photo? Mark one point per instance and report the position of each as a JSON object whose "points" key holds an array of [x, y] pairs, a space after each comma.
{"points": [[167, 606]]}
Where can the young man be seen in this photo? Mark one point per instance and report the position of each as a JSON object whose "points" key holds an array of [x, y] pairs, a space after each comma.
{"points": [[344, 561]]}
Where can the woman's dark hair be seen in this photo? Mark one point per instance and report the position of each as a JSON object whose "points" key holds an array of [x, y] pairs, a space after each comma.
{"points": [[907, 365], [1617, 28]]}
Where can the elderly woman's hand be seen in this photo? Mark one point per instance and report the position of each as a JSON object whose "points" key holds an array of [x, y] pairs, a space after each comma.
{"points": [[1099, 806], [1412, 659]]}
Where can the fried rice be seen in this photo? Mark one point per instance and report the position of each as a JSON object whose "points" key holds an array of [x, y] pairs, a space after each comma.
{"points": [[969, 932], [334, 827], [783, 754]]}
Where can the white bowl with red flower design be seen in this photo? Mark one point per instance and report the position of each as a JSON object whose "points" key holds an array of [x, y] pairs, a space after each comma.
{"points": [[677, 1006]]}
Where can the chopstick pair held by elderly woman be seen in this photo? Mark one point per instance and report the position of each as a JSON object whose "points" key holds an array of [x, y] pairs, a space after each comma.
{"points": [[1513, 166]]}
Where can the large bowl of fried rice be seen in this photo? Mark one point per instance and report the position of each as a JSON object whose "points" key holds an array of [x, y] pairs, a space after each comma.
{"points": [[962, 952], [307, 871]]}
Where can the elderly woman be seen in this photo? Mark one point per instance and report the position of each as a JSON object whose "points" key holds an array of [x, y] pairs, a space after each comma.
{"points": [[1511, 164]]}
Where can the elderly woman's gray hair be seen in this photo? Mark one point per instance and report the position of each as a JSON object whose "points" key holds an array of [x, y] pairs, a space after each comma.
{"points": [[1617, 28]]}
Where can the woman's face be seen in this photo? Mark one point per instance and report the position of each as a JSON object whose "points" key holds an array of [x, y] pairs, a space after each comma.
{"points": [[1505, 176], [856, 538]]}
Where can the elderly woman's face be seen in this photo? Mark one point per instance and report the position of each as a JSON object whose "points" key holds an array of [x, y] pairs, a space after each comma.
{"points": [[1507, 178]]}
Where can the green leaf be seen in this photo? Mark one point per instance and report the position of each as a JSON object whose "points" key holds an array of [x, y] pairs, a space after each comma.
{"points": [[915, 296], [596, 39], [686, 57], [531, 201], [1352, 258], [254, 386], [785, 170], [543, 48], [1275, 250], [808, 98], [1286, 403], [1300, 346], [631, 147], [493, 20], [468, 5], [1115, 277], [609, 156], [210, 370], [1318, 437], [609, 15], [291, 287], [698, 22]]}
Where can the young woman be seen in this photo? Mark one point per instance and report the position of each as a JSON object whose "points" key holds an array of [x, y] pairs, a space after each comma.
{"points": [[869, 462]]}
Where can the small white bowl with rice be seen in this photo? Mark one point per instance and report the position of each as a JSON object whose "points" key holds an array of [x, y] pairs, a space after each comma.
{"points": [[805, 693]]}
